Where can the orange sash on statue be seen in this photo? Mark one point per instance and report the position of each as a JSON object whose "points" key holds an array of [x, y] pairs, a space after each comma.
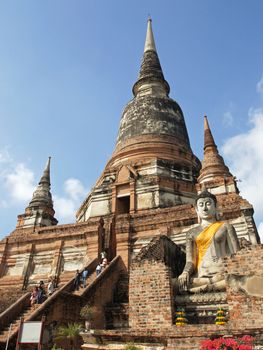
{"points": [[204, 239]]}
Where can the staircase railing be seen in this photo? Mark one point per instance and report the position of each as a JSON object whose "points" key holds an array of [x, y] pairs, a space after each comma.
{"points": [[13, 311], [68, 287], [16, 309], [101, 290], [100, 277]]}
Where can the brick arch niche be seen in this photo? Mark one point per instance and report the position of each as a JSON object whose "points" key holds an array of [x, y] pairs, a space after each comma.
{"points": [[123, 192]]}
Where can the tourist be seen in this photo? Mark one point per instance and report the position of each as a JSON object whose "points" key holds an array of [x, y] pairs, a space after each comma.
{"points": [[41, 293], [103, 255], [104, 263], [33, 297], [98, 269], [84, 277], [51, 287], [77, 280]]}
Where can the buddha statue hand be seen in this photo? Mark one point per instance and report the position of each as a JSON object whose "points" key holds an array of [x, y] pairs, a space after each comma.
{"points": [[183, 281], [215, 259]]}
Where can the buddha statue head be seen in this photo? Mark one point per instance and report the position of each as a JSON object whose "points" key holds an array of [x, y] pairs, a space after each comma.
{"points": [[206, 207]]}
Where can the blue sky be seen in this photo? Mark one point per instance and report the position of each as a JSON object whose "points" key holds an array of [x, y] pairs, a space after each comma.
{"points": [[67, 70]]}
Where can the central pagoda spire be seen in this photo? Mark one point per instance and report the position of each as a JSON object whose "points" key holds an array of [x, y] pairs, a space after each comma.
{"points": [[151, 79], [151, 113], [149, 41], [152, 165]]}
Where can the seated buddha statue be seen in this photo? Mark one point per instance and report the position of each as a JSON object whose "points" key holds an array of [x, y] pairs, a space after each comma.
{"points": [[206, 245]]}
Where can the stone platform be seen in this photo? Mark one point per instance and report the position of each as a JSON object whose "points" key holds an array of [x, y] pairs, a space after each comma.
{"points": [[201, 308], [186, 337]]}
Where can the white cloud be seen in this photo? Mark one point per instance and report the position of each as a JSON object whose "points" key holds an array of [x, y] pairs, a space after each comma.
{"points": [[244, 154], [66, 206], [74, 188], [19, 183], [228, 118], [260, 86], [65, 209]]}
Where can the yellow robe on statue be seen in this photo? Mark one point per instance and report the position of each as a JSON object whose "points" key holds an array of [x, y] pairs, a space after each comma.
{"points": [[204, 239]]}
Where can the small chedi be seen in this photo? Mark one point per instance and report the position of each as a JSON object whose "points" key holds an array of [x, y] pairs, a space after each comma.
{"points": [[159, 232]]}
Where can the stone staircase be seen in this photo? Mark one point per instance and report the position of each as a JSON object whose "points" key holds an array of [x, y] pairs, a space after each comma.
{"points": [[91, 278], [116, 313], [22, 309], [28, 310], [7, 298], [66, 276], [15, 324]]}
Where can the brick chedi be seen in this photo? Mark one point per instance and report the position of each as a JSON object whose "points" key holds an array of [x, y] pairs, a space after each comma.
{"points": [[40, 210], [152, 165], [214, 174], [138, 213], [216, 178]]}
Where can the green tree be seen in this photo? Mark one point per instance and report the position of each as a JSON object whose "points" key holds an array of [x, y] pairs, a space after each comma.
{"points": [[54, 347], [69, 332], [132, 346], [86, 312]]}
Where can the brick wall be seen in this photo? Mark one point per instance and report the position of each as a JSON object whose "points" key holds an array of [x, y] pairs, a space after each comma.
{"points": [[150, 297], [245, 311], [101, 291], [150, 290]]}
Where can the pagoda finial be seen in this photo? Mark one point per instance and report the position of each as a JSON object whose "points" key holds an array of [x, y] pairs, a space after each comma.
{"points": [[46, 174], [151, 80], [149, 41], [42, 195], [40, 211], [213, 164], [208, 139]]}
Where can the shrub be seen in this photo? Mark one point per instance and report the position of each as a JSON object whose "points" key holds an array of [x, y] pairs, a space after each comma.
{"points": [[69, 332], [132, 346], [244, 343], [54, 347], [86, 312]]}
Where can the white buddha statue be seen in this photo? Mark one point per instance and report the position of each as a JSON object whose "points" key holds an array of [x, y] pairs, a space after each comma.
{"points": [[206, 245]]}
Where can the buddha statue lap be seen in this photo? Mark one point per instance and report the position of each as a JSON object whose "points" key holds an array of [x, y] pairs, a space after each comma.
{"points": [[206, 246]]}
